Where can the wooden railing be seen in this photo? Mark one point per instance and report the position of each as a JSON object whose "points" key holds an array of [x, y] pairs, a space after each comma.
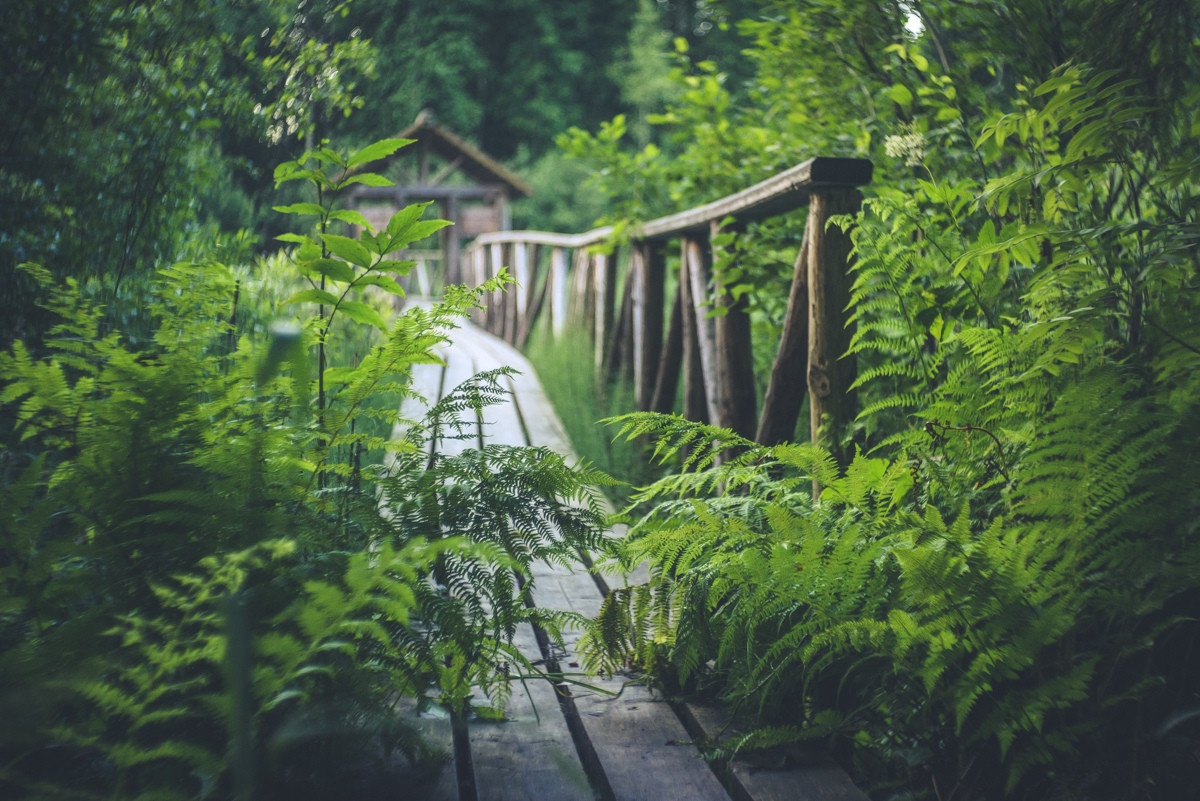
{"points": [[574, 282]]}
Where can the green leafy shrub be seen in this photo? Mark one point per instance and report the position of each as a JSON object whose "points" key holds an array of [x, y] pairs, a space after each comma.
{"points": [[996, 598], [207, 590]]}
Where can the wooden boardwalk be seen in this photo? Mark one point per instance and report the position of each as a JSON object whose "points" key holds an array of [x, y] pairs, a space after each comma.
{"points": [[561, 742]]}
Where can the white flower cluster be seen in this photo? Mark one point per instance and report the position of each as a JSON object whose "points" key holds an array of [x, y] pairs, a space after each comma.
{"points": [[908, 145]]}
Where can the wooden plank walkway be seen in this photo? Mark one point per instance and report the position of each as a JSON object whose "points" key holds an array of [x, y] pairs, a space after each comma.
{"points": [[561, 743]]}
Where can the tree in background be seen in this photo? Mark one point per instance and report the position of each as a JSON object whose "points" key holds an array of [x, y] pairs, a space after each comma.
{"points": [[127, 118]]}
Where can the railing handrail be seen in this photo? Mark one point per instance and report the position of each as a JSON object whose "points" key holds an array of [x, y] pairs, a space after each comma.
{"points": [[779, 194], [625, 306]]}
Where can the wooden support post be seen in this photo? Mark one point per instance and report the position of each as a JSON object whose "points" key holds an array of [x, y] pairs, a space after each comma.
{"points": [[785, 392], [559, 291], [536, 302], [736, 396], [666, 380], [514, 299], [699, 262], [695, 402], [496, 306], [581, 304], [647, 277], [829, 374], [450, 244], [618, 355], [604, 277]]}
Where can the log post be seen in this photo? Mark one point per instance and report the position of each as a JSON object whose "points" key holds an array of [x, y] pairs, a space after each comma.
{"points": [[699, 263], [789, 373], [560, 291], [736, 397], [496, 299], [695, 404], [648, 276], [666, 380], [829, 332], [604, 278]]}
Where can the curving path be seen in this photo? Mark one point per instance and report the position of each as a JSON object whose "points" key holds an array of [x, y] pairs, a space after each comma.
{"points": [[562, 743]]}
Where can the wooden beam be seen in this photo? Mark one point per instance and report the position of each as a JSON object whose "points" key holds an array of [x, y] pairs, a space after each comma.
{"points": [[648, 278], [670, 361], [829, 374], [618, 354], [695, 402], [604, 279], [736, 399], [699, 261], [781, 193], [559, 291], [785, 392]]}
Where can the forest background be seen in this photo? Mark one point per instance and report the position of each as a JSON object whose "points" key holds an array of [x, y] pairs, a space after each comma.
{"points": [[995, 596]]}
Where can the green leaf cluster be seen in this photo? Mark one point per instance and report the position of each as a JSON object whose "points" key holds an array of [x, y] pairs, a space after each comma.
{"points": [[212, 582]]}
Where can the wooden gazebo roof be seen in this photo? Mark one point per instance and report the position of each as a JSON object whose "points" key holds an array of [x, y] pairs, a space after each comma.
{"points": [[470, 160]]}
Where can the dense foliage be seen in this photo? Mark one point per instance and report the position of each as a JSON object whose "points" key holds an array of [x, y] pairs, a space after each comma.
{"points": [[996, 598], [209, 588]]}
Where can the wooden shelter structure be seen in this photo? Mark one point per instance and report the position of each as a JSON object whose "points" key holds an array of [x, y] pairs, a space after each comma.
{"points": [[471, 189]]}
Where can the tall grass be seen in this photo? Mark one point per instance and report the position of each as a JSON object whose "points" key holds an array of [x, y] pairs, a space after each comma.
{"points": [[565, 368]]}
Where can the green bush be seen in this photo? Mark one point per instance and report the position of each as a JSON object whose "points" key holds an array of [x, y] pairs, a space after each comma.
{"points": [[208, 589]]}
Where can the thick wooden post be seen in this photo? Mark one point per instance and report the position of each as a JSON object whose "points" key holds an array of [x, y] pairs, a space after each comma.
{"points": [[695, 404], [666, 380], [604, 278], [829, 374], [496, 298], [559, 291], [648, 276], [789, 373], [736, 398], [698, 257], [450, 245]]}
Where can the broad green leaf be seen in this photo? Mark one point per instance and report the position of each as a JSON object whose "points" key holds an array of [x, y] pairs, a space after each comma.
{"points": [[363, 313], [340, 375], [900, 94], [349, 249], [351, 216], [417, 231], [297, 238], [396, 266], [312, 296], [377, 150], [367, 179], [383, 281], [405, 217], [300, 208], [334, 268]]}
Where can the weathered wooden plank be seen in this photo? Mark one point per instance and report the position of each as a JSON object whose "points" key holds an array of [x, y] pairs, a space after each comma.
{"points": [[531, 755], [428, 782], [736, 398], [644, 749], [785, 392], [811, 775], [829, 374]]}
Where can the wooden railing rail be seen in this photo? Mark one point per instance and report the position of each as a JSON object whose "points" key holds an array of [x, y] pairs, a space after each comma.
{"points": [[576, 282]]}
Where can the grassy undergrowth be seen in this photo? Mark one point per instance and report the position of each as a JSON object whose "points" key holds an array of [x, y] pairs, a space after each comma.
{"points": [[582, 401]]}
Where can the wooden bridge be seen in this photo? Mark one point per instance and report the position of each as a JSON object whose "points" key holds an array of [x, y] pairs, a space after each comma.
{"points": [[561, 742]]}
